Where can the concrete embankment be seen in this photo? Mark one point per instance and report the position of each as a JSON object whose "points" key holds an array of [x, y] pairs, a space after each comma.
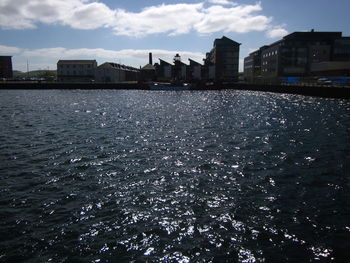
{"points": [[58, 85], [307, 90]]}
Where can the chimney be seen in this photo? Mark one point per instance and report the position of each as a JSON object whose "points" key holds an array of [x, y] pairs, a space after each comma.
{"points": [[150, 59]]}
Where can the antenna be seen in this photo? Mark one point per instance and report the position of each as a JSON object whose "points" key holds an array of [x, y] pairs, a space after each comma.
{"points": [[27, 69]]}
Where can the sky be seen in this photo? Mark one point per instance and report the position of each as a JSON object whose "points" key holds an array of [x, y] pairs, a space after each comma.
{"points": [[38, 33]]}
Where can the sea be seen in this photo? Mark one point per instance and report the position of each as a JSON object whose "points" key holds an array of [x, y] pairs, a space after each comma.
{"points": [[173, 176]]}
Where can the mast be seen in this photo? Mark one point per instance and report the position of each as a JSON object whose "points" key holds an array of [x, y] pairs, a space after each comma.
{"points": [[27, 69]]}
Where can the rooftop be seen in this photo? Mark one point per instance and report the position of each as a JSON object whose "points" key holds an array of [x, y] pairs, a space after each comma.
{"points": [[224, 41], [76, 61]]}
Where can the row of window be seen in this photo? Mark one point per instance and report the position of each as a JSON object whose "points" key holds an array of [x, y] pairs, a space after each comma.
{"points": [[273, 53], [74, 66], [74, 72]]}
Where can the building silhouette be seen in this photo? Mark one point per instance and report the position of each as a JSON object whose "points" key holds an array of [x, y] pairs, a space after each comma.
{"points": [[195, 71], [164, 71], [180, 69], [6, 71], [300, 54], [252, 65], [148, 72], [221, 63], [110, 72]]}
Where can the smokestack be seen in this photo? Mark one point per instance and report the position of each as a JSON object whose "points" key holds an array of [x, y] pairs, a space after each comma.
{"points": [[150, 59]]}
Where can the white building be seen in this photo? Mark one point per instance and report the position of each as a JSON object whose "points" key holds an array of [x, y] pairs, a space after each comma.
{"points": [[76, 70]]}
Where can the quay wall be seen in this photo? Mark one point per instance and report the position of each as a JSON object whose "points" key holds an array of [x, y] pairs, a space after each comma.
{"points": [[307, 90], [79, 85], [318, 91], [342, 92]]}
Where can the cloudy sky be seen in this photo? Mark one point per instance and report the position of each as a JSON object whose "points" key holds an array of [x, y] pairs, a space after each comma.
{"points": [[124, 31]]}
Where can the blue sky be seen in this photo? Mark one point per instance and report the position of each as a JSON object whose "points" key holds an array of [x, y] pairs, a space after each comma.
{"points": [[124, 31]]}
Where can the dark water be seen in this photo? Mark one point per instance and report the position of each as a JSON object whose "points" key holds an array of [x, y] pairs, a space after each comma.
{"points": [[140, 176]]}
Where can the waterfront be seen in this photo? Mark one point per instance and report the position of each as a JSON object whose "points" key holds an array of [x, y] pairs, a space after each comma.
{"points": [[201, 176]]}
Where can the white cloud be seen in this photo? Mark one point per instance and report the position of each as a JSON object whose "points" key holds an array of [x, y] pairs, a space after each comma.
{"points": [[90, 16], [207, 16], [48, 57], [9, 51], [240, 19], [222, 2], [276, 32], [174, 19], [80, 14]]}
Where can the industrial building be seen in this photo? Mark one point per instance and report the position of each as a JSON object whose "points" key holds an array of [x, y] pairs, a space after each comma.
{"points": [[164, 71], [148, 72], [110, 72], [195, 71]]}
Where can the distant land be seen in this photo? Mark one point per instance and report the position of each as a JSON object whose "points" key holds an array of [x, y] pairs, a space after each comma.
{"points": [[35, 74]]}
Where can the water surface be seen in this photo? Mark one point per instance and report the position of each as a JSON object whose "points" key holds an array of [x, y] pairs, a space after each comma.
{"points": [[161, 176]]}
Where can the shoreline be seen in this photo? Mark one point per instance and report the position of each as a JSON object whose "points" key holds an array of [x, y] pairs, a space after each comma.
{"points": [[342, 92]]}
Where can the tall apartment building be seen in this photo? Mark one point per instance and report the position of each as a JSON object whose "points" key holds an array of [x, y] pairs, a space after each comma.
{"points": [[225, 58], [302, 54], [76, 70], [6, 67]]}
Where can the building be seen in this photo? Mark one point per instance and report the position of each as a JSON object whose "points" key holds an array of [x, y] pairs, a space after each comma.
{"points": [[225, 58], [6, 71], [271, 62], [180, 69], [76, 70], [301, 54], [195, 71], [113, 73], [148, 72], [341, 50], [209, 68], [252, 65], [164, 71], [331, 68]]}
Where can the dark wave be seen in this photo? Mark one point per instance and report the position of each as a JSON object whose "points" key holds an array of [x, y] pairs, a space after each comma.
{"points": [[137, 176]]}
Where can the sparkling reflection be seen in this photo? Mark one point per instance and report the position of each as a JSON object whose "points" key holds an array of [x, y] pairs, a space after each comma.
{"points": [[142, 176]]}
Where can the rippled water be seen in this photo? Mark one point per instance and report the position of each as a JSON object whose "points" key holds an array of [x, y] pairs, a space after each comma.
{"points": [[136, 176]]}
